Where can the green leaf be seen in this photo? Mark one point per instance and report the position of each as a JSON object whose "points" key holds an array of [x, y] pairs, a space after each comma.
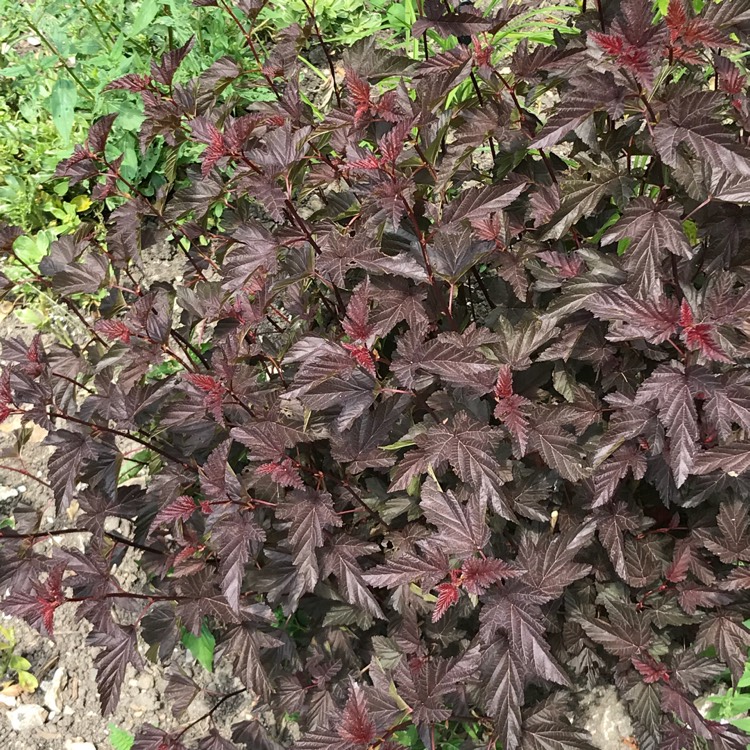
{"points": [[18, 663], [145, 16], [170, 367], [743, 724], [119, 738], [31, 317], [403, 443], [31, 249], [201, 647], [27, 681], [132, 466], [61, 105], [691, 231], [408, 737]]}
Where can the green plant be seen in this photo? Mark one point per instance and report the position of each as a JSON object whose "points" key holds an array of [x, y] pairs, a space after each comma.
{"points": [[119, 738], [14, 669], [733, 706], [56, 58], [341, 22]]}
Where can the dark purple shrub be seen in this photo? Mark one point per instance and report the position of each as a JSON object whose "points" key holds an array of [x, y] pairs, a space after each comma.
{"points": [[448, 412]]}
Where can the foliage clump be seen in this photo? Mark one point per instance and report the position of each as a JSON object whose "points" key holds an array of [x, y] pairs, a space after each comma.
{"points": [[447, 412]]}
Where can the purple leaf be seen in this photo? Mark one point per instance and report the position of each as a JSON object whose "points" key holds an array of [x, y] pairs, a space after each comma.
{"points": [[118, 650]]}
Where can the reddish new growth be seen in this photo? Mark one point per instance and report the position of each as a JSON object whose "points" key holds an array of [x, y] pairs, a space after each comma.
{"points": [[482, 52], [698, 336], [182, 508], [215, 150], [213, 390], [357, 326], [6, 395], [362, 356], [113, 330], [651, 670], [476, 576], [356, 726], [282, 472], [359, 92], [510, 410], [636, 60], [33, 365], [689, 36]]}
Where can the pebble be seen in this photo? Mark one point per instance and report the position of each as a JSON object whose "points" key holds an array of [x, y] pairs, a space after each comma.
{"points": [[74, 745], [8, 701], [6, 493], [27, 717], [52, 695], [145, 681]]}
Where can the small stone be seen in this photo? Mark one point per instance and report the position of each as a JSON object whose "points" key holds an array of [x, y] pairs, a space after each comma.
{"points": [[21, 488], [145, 681], [27, 717], [74, 745], [9, 701], [45, 735], [53, 694]]}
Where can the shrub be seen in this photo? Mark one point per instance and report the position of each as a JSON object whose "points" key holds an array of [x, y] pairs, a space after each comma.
{"points": [[447, 413]]}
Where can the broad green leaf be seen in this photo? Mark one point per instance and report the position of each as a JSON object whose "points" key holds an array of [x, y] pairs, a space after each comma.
{"points": [[31, 317], [145, 16], [31, 249], [27, 681], [201, 647], [18, 663], [61, 105], [743, 724]]}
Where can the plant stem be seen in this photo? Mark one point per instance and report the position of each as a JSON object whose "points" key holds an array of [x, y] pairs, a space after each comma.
{"points": [[698, 208], [250, 43], [421, 238], [126, 435], [302, 224], [25, 473], [210, 712], [326, 52], [68, 302], [127, 595], [484, 289], [600, 13], [64, 532], [51, 47], [105, 36]]}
